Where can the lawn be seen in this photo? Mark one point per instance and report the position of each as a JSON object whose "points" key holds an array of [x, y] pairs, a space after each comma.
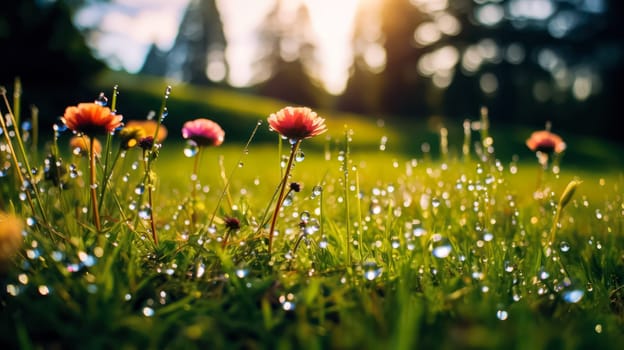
{"points": [[384, 239]]}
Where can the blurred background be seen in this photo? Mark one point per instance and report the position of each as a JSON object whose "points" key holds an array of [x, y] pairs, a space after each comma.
{"points": [[528, 61]]}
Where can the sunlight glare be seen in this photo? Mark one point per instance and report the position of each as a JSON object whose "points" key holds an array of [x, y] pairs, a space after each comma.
{"points": [[333, 23]]}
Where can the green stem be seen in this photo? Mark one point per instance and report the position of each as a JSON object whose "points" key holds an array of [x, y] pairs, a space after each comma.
{"points": [[194, 186], [152, 220], [227, 180], [280, 198], [23, 154], [94, 205], [347, 201], [108, 172]]}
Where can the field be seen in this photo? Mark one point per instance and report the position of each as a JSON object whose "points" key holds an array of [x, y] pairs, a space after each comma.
{"points": [[384, 239]]}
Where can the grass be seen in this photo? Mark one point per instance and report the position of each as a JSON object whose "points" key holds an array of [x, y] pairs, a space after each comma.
{"points": [[398, 248]]}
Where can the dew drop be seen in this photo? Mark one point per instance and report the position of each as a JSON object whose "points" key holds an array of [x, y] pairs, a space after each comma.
{"points": [[509, 267], [440, 246], [145, 213], [590, 287], [418, 231], [30, 221], [148, 311], [139, 189], [375, 208], [101, 100], [191, 149], [288, 306], [395, 243], [435, 202], [300, 156], [564, 246], [502, 315], [242, 273], [43, 290], [316, 191], [200, 270], [573, 296], [371, 271], [488, 236]]}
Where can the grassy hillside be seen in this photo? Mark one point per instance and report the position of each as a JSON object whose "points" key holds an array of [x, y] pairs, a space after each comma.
{"points": [[238, 113]]}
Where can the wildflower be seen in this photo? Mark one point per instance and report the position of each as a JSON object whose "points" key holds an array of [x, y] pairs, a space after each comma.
{"points": [[130, 136], [232, 224], [146, 143], [91, 119], [80, 145], [546, 142], [203, 132], [11, 237], [149, 129], [297, 123], [295, 186]]}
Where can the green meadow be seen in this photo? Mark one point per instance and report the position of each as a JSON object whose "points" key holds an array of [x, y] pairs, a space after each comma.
{"points": [[394, 236]]}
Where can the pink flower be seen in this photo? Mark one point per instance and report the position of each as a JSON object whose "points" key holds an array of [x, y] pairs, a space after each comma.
{"points": [[297, 123], [203, 132], [91, 119], [546, 142]]}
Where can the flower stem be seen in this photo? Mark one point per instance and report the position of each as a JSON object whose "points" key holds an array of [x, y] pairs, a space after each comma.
{"points": [[280, 198], [194, 184], [152, 220], [94, 205], [149, 187], [108, 172]]}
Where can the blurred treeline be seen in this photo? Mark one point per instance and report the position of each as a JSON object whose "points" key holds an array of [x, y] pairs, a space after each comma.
{"points": [[412, 60]]}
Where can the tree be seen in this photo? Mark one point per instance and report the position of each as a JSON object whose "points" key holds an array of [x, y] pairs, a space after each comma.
{"points": [[197, 55], [287, 52]]}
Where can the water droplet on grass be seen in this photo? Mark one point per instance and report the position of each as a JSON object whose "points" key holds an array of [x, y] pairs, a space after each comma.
{"points": [[139, 189], [242, 273], [145, 213], [502, 315], [148, 311], [101, 100], [564, 246], [440, 246], [43, 290], [418, 231], [573, 296], [371, 271], [323, 244], [395, 243], [191, 149], [300, 156], [316, 191]]}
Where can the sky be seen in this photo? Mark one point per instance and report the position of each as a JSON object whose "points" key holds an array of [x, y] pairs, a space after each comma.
{"points": [[127, 28]]}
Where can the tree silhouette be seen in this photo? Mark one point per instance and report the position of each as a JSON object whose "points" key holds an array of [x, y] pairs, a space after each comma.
{"points": [[286, 52], [198, 47]]}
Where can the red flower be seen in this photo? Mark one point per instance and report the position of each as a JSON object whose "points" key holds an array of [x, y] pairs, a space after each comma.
{"points": [[203, 132], [297, 123], [546, 142], [91, 119]]}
